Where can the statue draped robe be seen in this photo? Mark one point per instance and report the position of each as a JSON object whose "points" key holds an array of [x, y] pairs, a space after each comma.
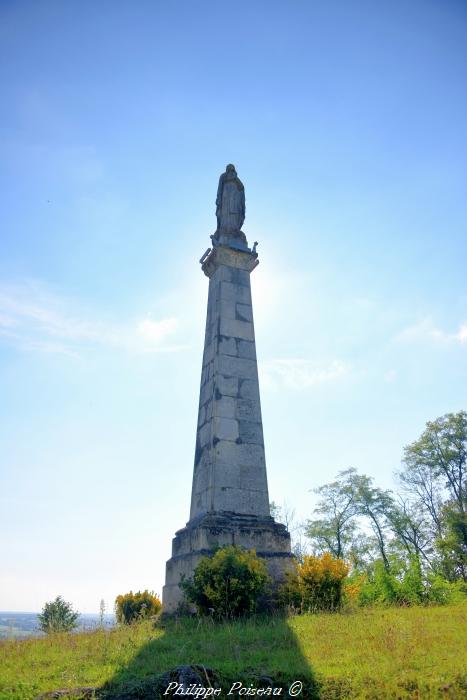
{"points": [[230, 202]]}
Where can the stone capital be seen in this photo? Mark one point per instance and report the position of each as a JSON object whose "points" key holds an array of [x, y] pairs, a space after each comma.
{"points": [[225, 255]]}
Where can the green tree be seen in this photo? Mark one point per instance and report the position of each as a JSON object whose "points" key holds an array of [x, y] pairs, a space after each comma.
{"points": [[412, 531], [374, 504], [57, 616], [451, 545], [334, 531], [436, 466], [424, 487], [228, 584]]}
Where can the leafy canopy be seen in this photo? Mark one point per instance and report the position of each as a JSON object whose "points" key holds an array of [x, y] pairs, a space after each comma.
{"points": [[58, 616]]}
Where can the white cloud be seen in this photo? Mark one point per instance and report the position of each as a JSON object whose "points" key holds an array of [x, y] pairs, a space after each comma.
{"points": [[461, 335], [31, 318], [427, 330], [155, 331], [296, 373]]}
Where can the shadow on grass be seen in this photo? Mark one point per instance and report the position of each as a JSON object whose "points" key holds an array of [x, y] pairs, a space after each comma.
{"points": [[200, 658]]}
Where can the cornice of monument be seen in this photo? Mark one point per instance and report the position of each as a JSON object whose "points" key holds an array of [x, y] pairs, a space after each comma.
{"points": [[226, 255]]}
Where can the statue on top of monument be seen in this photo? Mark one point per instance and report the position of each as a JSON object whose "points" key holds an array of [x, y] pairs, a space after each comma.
{"points": [[230, 203]]}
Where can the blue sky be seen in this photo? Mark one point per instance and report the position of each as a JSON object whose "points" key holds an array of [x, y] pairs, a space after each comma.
{"points": [[346, 122]]}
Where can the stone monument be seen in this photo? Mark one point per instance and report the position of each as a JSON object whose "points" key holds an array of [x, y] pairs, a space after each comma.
{"points": [[229, 498]]}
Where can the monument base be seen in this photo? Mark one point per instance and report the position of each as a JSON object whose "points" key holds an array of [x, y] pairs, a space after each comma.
{"points": [[202, 536]]}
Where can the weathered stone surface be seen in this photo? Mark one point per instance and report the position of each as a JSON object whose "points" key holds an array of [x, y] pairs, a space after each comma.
{"points": [[249, 389], [249, 410], [230, 463], [204, 434], [233, 258], [250, 432], [230, 454], [237, 329], [244, 312], [237, 367], [227, 308], [234, 275], [225, 429], [235, 292], [206, 392], [226, 407], [201, 415], [227, 346], [246, 349], [226, 386]]}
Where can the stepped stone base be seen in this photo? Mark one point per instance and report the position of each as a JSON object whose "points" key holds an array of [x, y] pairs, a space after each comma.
{"points": [[202, 536]]}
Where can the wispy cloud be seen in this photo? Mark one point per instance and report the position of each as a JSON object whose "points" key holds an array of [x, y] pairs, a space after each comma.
{"points": [[296, 373], [461, 334], [32, 318], [426, 330], [153, 332]]}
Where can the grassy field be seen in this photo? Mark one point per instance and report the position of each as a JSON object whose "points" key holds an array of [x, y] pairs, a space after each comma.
{"points": [[379, 653]]}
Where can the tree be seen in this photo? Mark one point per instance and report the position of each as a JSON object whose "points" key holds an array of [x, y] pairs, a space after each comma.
{"points": [[132, 607], [409, 524], [228, 584], [334, 532], [451, 547], [297, 530], [57, 616], [436, 464], [421, 483], [374, 504]]}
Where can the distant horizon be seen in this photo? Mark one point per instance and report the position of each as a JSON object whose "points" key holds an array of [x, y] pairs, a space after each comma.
{"points": [[32, 612]]}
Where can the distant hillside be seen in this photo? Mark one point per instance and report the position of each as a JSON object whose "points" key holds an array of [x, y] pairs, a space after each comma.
{"points": [[20, 625]]}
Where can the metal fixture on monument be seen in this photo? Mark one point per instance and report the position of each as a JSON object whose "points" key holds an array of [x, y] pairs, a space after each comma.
{"points": [[229, 498]]}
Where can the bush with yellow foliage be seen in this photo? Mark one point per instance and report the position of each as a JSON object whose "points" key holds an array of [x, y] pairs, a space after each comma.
{"points": [[317, 584], [132, 607]]}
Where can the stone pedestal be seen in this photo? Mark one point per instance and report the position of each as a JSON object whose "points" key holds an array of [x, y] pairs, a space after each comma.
{"points": [[229, 501], [269, 539]]}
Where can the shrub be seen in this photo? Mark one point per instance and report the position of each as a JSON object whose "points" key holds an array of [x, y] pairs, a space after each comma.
{"points": [[405, 584], [228, 584], [321, 582], [317, 584], [136, 606], [57, 616], [353, 587], [441, 592]]}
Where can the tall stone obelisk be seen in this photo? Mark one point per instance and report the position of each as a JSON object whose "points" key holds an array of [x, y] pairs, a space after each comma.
{"points": [[229, 499]]}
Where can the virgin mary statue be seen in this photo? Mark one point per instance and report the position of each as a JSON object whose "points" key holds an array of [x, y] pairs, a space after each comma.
{"points": [[230, 202]]}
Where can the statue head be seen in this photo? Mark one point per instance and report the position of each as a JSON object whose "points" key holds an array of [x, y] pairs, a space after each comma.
{"points": [[230, 169]]}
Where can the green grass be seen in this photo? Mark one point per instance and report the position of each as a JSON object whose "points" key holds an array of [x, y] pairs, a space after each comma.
{"points": [[377, 653]]}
